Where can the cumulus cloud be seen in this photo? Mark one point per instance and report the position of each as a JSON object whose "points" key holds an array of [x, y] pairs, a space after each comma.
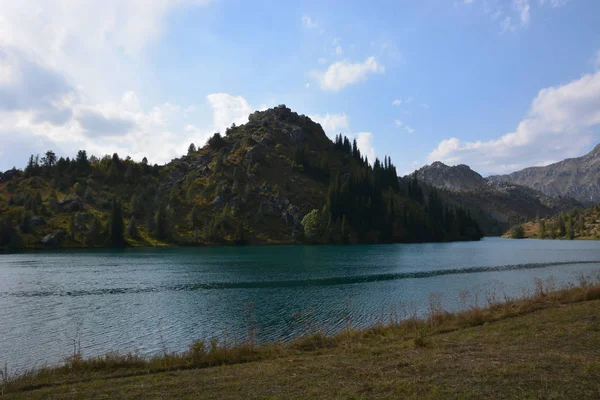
{"points": [[398, 122], [332, 124], [343, 73], [228, 109], [96, 124], [64, 66], [364, 141], [25, 85], [87, 41], [559, 124]]}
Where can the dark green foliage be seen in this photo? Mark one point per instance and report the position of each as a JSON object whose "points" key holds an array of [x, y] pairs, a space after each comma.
{"points": [[214, 197], [160, 227], [117, 238], [132, 230], [517, 232], [216, 142]]}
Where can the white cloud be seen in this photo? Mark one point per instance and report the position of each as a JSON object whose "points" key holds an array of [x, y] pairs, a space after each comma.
{"points": [[399, 101], [343, 73], [332, 124], [307, 22], [408, 129], [398, 122], [365, 145], [228, 109], [64, 66], [554, 3], [559, 125], [90, 43], [339, 51], [512, 15], [307, 85], [522, 8]]}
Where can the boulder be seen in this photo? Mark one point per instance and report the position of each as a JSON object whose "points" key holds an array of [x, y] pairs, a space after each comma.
{"points": [[54, 239], [37, 221], [72, 204], [218, 201]]}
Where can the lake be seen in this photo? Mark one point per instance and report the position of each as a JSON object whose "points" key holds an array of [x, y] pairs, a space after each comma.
{"points": [[151, 300]]}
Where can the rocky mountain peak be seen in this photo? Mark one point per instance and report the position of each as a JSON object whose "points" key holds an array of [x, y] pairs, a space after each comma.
{"points": [[455, 178], [574, 177], [282, 125]]}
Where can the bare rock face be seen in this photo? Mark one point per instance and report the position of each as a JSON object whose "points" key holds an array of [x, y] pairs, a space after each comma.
{"points": [[457, 178]]}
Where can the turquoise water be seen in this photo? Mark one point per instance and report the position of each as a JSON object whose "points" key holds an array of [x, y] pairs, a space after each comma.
{"points": [[149, 300]]}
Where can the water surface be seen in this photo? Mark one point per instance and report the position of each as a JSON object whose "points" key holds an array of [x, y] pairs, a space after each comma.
{"points": [[149, 300]]}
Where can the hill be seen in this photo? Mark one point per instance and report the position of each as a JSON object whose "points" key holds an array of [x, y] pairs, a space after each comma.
{"points": [[495, 205], [574, 177], [575, 224], [276, 179]]}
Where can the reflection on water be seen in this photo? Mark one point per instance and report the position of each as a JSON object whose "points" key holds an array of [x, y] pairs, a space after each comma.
{"points": [[146, 299]]}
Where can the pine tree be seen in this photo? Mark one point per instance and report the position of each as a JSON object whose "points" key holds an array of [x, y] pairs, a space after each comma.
{"points": [[132, 230], [116, 238], [543, 229]]}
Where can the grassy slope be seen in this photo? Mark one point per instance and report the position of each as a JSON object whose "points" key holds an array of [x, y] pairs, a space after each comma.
{"points": [[546, 347]]}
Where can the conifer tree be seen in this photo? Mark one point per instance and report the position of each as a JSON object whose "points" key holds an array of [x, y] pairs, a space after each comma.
{"points": [[116, 238]]}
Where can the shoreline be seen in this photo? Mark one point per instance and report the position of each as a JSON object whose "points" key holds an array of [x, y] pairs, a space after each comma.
{"points": [[202, 356]]}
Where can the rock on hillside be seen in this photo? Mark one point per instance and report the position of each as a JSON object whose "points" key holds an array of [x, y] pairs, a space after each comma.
{"points": [[575, 177]]}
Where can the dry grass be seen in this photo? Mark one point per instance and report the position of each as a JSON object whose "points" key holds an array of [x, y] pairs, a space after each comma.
{"points": [[546, 345]]}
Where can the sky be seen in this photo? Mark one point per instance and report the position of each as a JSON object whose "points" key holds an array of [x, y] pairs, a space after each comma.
{"points": [[496, 84]]}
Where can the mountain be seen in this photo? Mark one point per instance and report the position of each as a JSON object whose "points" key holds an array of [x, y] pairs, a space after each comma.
{"points": [[459, 177], [496, 205], [276, 179], [574, 177]]}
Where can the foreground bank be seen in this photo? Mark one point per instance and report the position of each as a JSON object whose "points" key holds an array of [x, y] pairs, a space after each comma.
{"points": [[545, 346]]}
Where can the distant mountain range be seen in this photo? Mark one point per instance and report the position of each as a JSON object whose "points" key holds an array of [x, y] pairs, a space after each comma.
{"points": [[574, 177], [495, 204]]}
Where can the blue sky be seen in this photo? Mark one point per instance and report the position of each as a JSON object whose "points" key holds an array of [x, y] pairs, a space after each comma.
{"points": [[499, 85]]}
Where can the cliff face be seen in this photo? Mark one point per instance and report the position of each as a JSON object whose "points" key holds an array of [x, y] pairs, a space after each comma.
{"points": [[574, 177]]}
